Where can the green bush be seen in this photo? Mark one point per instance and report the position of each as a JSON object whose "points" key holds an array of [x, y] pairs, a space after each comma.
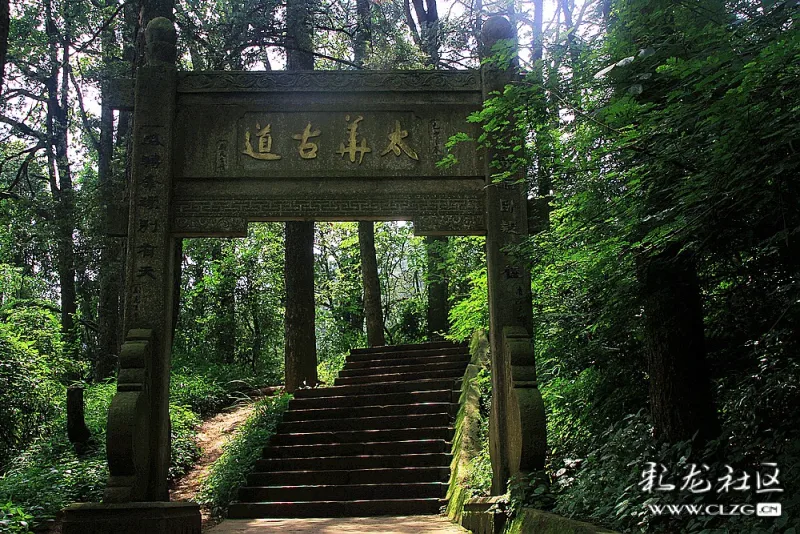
{"points": [[479, 476], [185, 450], [48, 475], [14, 519], [229, 472], [26, 393], [208, 387], [328, 369]]}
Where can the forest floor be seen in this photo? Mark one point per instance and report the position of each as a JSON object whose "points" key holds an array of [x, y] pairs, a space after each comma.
{"points": [[211, 437]]}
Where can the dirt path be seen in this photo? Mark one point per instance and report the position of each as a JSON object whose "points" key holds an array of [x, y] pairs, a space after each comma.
{"points": [[211, 437]]}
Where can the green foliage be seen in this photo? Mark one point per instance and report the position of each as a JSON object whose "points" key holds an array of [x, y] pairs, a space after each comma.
{"points": [[49, 475], [26, 390], [185, 450], [471, 313], [229, 472], [206, 387], [328, 369], [14, 519], [479, 474]]}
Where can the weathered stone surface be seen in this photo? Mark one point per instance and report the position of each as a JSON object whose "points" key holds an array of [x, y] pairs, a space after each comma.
{"points": [[530, 521], [161, 39], [527, 441], [132, 518], [214, 151], [343, 81], [484, 515], [326, 145], [508, 277], [458, 212], [128, 429]]}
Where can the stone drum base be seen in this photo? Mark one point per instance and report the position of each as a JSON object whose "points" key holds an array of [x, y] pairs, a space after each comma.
{"points": [[132, 518]]}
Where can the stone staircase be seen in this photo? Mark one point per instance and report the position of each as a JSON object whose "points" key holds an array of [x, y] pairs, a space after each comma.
{"points": [[375, 443]]}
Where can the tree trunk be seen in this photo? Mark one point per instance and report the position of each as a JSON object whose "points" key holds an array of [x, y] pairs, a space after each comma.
{"points": [[300, 337], [109, 308], [108, 313], [5, 22], [77, 431], [680, 388], [363, 33], [437, 288], [61, 176], [299, 334], [372, 288], [225, 326]]}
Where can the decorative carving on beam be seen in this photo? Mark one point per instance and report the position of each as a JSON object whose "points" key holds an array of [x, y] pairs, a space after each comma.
{"points": [[327, 81]]}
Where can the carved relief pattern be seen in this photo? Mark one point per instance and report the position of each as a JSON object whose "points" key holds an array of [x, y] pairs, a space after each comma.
{"points": [[230, 216], [127, 432], [329, 81]]}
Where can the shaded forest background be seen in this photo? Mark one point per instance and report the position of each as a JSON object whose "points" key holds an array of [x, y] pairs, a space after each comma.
{"points": [[662, 135]]}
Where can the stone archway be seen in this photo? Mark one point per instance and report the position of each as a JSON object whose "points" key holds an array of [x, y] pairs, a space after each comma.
{"points": [[213, 151]]}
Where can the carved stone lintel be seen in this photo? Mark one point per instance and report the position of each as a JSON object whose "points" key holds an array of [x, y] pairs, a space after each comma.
{"points": [[450, 225], [127, 437], [527, 428], [329, 81]]}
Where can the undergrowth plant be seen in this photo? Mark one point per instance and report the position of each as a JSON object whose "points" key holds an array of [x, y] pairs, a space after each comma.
{"points": [[229, 472]]}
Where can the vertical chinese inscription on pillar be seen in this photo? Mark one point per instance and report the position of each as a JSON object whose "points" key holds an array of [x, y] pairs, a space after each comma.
{"points": [[149, 204]]}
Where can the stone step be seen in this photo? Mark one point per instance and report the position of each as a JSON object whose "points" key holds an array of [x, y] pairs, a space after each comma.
{"points": [[399, 377], [351, 476], [434, 345], [378, 363], [371, 411], [404, 369], [357, 449], [405, 397], [435, 459], [355, 508], [365, 423], [394, 356], [429, 384], [343, 492], [363, 436]]}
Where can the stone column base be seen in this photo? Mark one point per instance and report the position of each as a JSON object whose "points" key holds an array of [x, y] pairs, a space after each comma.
{"points": [[132, 518]]}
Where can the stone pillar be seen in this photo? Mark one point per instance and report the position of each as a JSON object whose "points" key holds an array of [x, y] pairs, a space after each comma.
{"points": [[138, 441], [517, 425], [138, 432]]}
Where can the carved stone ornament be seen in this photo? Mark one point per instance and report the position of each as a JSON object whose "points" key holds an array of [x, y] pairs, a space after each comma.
{"points": [[527, 428], [127, 437]]}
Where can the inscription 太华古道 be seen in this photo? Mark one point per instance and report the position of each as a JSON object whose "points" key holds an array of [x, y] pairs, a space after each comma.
{"points": [[258, 142]]}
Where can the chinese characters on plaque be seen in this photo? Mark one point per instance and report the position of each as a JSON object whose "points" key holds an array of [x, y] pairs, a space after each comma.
{"points": [[353, 144]]}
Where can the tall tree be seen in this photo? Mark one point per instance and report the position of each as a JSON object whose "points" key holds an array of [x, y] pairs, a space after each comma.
{"points": [[681, 401], [5, 22], [425, 29], [372, 288], [109, 309], [437, 287], [300, 335], [366, 229], [57, 84]]}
